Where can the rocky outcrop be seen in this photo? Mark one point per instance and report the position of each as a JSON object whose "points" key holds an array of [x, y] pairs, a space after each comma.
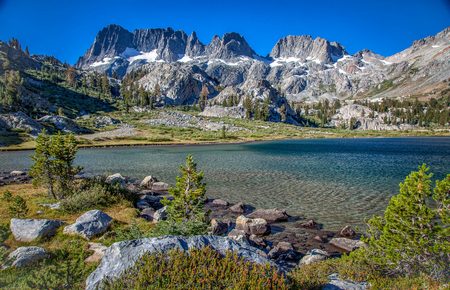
{"points": [[28, 230], [25, 256], [220, 112], [336, 283], [63, 124], [20, 121], [122, 256], [90, 224]]}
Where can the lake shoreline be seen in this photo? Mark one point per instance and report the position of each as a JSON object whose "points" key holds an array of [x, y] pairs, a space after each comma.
{"points": [[207, 143]]}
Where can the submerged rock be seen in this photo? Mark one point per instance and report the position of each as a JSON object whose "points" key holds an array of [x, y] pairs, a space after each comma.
{"points": [[25, 256], [90, 224], [122, 256], [270, 215], [27, 230]]}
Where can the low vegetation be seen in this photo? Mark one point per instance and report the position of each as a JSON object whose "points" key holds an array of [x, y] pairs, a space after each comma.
{"points": [[199, 269]]}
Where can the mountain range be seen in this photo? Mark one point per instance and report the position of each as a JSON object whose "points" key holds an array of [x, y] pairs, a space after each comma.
{"points": [[299, 68]]}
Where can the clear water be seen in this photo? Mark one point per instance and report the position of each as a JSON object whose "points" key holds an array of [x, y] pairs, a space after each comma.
{"points": [[335, 181]]}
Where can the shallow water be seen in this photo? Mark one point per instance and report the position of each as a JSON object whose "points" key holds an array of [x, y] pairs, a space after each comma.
{"points": [[335, 181]]}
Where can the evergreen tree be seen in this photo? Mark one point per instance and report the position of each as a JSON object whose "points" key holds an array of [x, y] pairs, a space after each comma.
{"points": [[12, 89], [412, 236], [186, 213], [203, 99], [248, 106], [53, 163]]}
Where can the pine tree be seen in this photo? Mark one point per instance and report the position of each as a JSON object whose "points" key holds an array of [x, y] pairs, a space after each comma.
{"points": [[412, 235], [203, 99], [53, 163], [186, 213], [12, 91], [248, 106]]}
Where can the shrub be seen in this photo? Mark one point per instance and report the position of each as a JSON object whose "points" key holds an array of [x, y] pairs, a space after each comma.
{"points": [[18, 207], [411, 238], [198, 269], [4, 232], [7, 196], [65, 269], [185, 212], [93, 193]]}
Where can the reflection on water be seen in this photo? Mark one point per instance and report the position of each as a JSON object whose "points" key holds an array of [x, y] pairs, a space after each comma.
{"points": [[336, 181]]}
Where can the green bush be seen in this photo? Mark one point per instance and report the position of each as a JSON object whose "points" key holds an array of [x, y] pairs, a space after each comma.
{"points": [[65, 269], [198, 269], [411, 238], [7, 196], [18, 207], [93, 193]]}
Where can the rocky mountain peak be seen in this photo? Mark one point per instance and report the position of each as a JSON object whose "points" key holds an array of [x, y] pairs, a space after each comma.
{"points": [[304, 47], [230, 46], [194, 47]]}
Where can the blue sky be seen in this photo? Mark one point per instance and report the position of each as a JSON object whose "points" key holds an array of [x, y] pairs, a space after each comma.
{"points": [[66, 28]]}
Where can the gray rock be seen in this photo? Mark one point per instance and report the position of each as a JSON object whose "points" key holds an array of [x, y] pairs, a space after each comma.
{"points": [[238, 235], [279, 249], [103, 121], [160, 186], [21, 121], [238, 208], [218, 227], [90, 224], [270, 215], [25, 256], [149, 201], [148, 181], [314, 255], [335, 283], [220, 202], [99, 251], [123, 255], [346, 244], [347, 232], [147, 213], [17, 173], [27, 230], [160, 214], [63, 124], [116, 179], [256, 226]]}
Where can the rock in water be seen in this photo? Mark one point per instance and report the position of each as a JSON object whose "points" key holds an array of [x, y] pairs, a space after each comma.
{"points": [[238, 208], [160, 186], [148, 181], [256, 226], [270, 215], [314, 255], [346, 244], [347, 232], [27, 230], [90, 224], [122, 256], [116, 178], [25, 256], [220, 202]]}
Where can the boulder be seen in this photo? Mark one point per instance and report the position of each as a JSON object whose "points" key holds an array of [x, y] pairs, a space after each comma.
{"points": [[25, 256], [347, 232], [258, 241], [121, 256], [148, 181], [160, 186], [17, 173], [238, 235], [160, 214], [99, 251], [27, 230], [238, 208], [103, 121], [147, 213], [116, 178], [335, 283], [220, 202], [310, 224], [314, 255], [90, 224], [270, 215], [149, 201], [218, 227], [279, 249], [256, 226], [64, 124], [346, 244]]}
